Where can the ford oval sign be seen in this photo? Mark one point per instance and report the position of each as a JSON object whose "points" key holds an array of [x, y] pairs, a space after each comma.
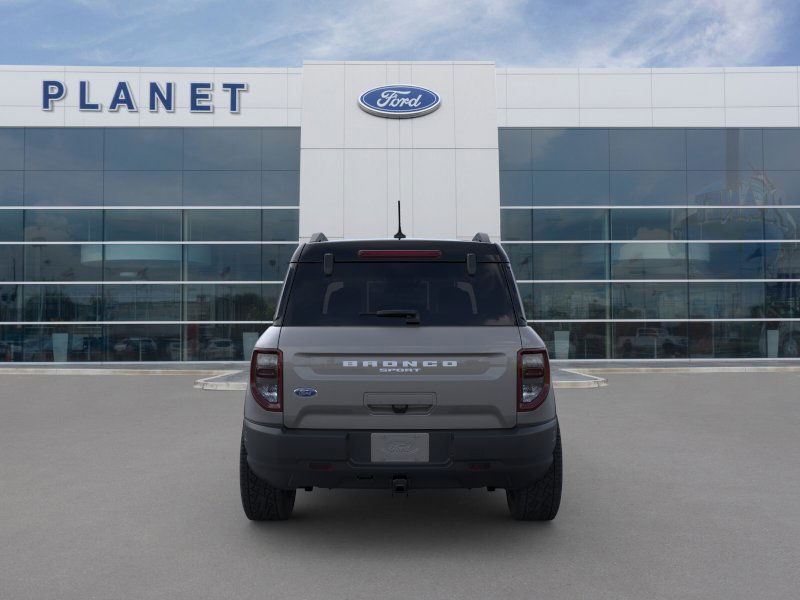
{"points": [[305, 392], [399, 101]]}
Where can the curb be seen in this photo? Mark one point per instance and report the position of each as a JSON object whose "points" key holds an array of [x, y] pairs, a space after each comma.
{"points": [[697, 370], [51, 371]]}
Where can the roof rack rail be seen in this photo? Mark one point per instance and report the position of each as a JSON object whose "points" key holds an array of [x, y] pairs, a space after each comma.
{"points": [[482, 237], [317, 237]]}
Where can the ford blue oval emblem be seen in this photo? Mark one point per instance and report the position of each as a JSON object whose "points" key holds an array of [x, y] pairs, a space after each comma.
{"points": [[399, 101], [305, 392]]}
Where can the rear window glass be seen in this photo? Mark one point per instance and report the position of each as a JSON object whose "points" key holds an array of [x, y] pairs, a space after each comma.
{"points": [[440, 294]]}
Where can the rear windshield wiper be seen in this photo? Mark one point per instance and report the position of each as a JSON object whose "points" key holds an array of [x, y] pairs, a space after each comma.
{"points": [[411, 315]]}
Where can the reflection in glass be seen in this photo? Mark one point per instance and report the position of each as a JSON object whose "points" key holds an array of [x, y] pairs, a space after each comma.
{"points": [[783, 187], [142, 302], [280, 188], [783, 340], [724, 149], [223, 225], [648, 149], [570, 261], [520, 256], [726, 261], [731, 188], [648, 261], [63, 225], [222, 148], [573, 340], [565, 300], [221, 342], [782, 260], [280, 224], [648, 224], [63, 148], [139, 342], [556, 225], [782, 148], [570, 149], [10, 304], [62, 343], [638, 300], [231, 302], [514, 149], [11, 263], [721, 339], [726, 224], [726, 300], [275, 259], [556, 188], [11, 188], [235, 262], [143, 188], [12, 148], [648, 187], [62, 303], [10, 225], [213, 188], [148, 262], [63, 262], [650, 339], [516, 188], [142, 225], [783, 299], [280, 148], [143, 148], [63, 188]]}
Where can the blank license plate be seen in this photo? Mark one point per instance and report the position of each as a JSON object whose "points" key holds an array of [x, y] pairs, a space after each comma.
{"points": [[400, 447]]}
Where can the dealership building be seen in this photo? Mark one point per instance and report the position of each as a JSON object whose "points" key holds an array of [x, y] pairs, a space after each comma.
{"points": [[148, 214]]}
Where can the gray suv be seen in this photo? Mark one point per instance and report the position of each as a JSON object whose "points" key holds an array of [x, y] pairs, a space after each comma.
{"points": [[400, 364]]}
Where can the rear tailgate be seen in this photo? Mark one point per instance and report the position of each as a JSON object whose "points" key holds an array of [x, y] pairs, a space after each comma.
{"points": [[400, 377]]}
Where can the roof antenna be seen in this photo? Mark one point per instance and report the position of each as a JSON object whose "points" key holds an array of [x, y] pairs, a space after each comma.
{"points": [[399, 235]]}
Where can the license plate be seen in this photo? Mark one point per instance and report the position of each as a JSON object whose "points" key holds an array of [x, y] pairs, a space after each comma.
{"points": [[400, 447]]}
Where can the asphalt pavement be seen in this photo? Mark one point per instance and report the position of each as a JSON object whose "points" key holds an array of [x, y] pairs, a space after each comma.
{"points": [[676, 486]]}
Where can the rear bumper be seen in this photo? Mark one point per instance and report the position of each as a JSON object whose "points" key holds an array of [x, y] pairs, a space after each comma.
{"points": [[503, 458]]}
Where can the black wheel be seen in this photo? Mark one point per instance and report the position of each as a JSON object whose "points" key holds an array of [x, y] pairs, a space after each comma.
{"points": [[260, 500], [540, 501]]}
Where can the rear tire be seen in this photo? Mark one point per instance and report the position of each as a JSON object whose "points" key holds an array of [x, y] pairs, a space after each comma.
{"points": [[260, 500], [540, 501]]}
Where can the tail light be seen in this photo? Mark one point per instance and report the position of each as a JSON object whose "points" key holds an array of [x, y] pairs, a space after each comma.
{"points": [[266, 378], [534, 379]]}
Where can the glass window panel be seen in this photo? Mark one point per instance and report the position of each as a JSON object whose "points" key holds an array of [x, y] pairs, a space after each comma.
{"points": [[574, 340], [648, 261], [566, 301], [553, 225], [222, 342], [63, 262], [648, 149], [140, 342], [570, 149], [280, 147], [143, 148], [62, 303], [63, 148], [222, 225], [12, 148], [782, 148], [726, 224], [783, 261], [648, 224], [520, 256], [650, 339], [11, 189], [783, 187], [280, 188], [142, 225], [235, 262], [781, 223], [63, 188], [11, 340], [230, 302], [11, 262], [221, 148], [280, 225], [570, 261], [724, 149], [726, 261], [63, 343], [783, 341], [783, 299], [637, 300], [143, 188], [721, 339], [555, 188], [145, 262], [220, 188], [648, 187], [10, 225], [142, 302], [514, 149], [276, 260], [63, 225], [730, 188], [726, 300], [516, 188], [10, 307]]}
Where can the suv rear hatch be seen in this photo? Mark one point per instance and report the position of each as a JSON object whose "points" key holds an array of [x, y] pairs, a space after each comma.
{"points": [[400, 341]]}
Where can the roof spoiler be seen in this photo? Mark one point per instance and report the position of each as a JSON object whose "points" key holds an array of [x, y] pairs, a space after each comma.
{"points": [[317, 237], [482, 237]]}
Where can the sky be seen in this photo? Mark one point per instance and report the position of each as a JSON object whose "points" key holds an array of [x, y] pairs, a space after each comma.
{"points": [[566, 33]]}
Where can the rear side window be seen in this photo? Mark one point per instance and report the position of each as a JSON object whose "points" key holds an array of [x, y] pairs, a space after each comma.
{"points": [[441, 294]]}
